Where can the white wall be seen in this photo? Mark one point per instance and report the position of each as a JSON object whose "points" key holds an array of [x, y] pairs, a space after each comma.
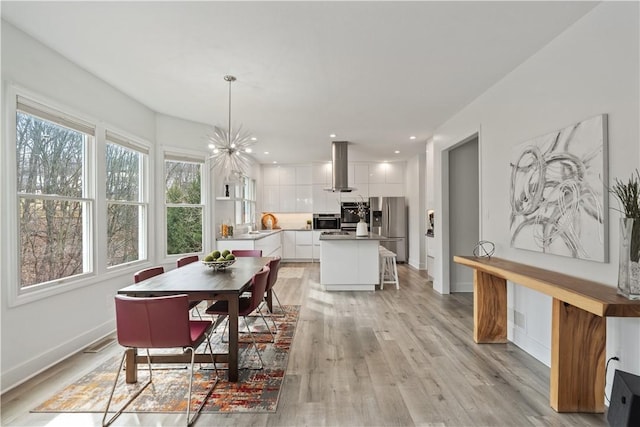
{"points": [[37, 334], [415, 198], [591, 68]]}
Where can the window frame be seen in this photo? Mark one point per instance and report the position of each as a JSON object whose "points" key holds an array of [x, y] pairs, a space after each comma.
{"points": [[142, 203], [16, 294], [95, 181], [185, 156]]}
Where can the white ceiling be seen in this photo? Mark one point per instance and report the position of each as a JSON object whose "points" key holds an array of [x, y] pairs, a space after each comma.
{"points": [[374, 73]]}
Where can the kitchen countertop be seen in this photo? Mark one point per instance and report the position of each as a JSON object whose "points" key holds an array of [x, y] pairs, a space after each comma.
{"points": [[351, 236], [250, 236]]}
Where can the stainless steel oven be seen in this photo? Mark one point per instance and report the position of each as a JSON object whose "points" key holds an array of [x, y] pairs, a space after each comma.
{"points": [[326, 221], [349, 215]]}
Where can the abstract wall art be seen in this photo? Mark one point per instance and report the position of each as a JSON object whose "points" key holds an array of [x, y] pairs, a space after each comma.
{"points": [[557, 192]]}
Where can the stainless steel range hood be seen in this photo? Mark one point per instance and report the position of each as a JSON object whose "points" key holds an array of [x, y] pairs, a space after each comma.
{"points": [[340, 167]]}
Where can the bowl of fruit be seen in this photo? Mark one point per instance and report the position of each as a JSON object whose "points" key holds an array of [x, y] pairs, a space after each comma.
{"points": [[219, 260]]}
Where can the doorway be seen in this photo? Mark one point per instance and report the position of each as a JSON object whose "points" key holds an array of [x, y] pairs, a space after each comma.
{"points": [[464, 210]]}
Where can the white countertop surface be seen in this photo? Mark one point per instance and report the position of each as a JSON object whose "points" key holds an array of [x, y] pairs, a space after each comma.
{"points": [[250, 236], [351, 236]]}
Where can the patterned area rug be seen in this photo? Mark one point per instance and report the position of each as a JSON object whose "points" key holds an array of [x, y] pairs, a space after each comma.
{"points": [[256, 390]]}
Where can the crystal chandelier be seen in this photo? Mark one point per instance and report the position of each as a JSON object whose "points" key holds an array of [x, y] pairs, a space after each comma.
{"points": [[229, 147]]}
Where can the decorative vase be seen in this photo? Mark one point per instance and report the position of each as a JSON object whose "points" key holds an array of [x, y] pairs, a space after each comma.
{"points": [[629, 262], [362, 229]]}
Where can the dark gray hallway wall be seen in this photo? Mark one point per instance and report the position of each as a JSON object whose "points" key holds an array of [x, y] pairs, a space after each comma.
{"points": [[463, 210]]}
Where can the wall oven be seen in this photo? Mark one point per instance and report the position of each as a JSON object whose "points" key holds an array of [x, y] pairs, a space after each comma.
{"points": [[326, 221], [349, 215]]}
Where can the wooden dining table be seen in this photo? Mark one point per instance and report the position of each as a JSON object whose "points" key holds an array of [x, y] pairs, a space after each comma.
{"points": [[199, 282]]}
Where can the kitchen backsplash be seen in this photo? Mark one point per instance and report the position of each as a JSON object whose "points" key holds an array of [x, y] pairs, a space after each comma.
{"points": [[292, 220]]}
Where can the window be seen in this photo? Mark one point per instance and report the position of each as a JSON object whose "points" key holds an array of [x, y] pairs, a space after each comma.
{"points": [[54, 200], [184, 207], [126, 200], [246, 205]]}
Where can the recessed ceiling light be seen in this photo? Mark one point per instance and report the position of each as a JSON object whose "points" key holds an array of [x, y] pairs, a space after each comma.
{"points": [[212, 146], [333, 135], [275, 162], [412, 137], [266, 152], [397, 151], [247, 150], [253, 138]]}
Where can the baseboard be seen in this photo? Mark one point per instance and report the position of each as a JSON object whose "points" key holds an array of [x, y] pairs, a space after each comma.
{"points": [[417, 265], [39, 363], [531, 346], [462, 287]]}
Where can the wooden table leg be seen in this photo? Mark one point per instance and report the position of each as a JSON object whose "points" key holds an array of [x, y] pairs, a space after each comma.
{"points": [[233, 338], [489, 308], [131, 367], [578, 340]]}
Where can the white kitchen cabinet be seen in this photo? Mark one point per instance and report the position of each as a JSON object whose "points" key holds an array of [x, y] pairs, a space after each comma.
{"points": [[297, 245], [321, 173], [303, 175], [288, 244], [287, 198], [304, 198], [394, 173], [271, 198], [271, 244], [315, 239], [270, 175], [360, 173], [304, 245], [324, 201], [287, 175], [377, 173]]}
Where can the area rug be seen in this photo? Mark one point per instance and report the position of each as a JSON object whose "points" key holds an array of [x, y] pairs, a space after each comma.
{"points": [[256, 390]]}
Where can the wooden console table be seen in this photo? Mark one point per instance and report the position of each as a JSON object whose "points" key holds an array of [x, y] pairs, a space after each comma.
{"points": [[578, 325]]}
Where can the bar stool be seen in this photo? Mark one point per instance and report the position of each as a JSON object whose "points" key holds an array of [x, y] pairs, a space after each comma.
{"points": [[388, 267]]}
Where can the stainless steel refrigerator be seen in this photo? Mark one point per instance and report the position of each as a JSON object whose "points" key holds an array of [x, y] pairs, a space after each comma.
{"points": [[388, 217]]}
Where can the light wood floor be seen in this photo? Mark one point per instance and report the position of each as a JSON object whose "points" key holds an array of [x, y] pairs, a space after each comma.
{"points": [[385, 358]]}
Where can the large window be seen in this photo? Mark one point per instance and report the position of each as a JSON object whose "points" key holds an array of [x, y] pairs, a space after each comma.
{"points": [[184, 207], [246, 205], [126, 200], [55, 204]]}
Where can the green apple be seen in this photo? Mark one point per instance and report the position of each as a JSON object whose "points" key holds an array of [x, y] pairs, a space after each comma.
{"points": [[230, 257], [215, 254], [209, 258], [225, 252]]}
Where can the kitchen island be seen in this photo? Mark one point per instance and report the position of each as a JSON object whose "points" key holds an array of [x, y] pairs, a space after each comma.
{"points": [[269, 241], [349, 263]]}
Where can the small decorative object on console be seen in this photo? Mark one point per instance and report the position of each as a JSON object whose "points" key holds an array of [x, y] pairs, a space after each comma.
{"points": [[484, 248]]}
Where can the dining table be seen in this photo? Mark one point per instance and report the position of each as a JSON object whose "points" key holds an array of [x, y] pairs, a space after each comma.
{"points": [[199, 282]]}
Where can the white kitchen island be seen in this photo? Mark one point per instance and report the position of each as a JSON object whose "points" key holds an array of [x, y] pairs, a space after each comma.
{"points": [[349, 263]]}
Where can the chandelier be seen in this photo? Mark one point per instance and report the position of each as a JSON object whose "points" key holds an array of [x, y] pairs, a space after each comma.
{"points": [[230, 147]]}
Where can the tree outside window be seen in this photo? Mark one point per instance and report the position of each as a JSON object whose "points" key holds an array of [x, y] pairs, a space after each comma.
{"points": [[54, 210], [126, 211], [184, 208]]}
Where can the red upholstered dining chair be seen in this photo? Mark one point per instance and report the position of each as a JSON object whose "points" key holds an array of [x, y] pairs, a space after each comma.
{"points": [[246, 306], [147, 273], [181, 262], [274, 266], [247, 252], [159, 322], [187, 260]]}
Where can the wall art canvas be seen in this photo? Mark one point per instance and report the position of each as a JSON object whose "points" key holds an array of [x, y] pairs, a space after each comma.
{"points": [[557, 192]]}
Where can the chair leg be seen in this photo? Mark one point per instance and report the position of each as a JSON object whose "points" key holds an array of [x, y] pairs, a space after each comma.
{"points": [[191, 420], [273, 291], [106, 422], [255, 344], [273, 337]]}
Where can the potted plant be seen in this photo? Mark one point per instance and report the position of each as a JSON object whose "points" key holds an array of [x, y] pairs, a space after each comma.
{"points": [[628, 194]]}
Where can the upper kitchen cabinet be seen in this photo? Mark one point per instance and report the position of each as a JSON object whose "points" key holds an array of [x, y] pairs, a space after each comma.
{"points": [[287, 188], [321, 174], [325, 201], [386, 179], [303, 175]]}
